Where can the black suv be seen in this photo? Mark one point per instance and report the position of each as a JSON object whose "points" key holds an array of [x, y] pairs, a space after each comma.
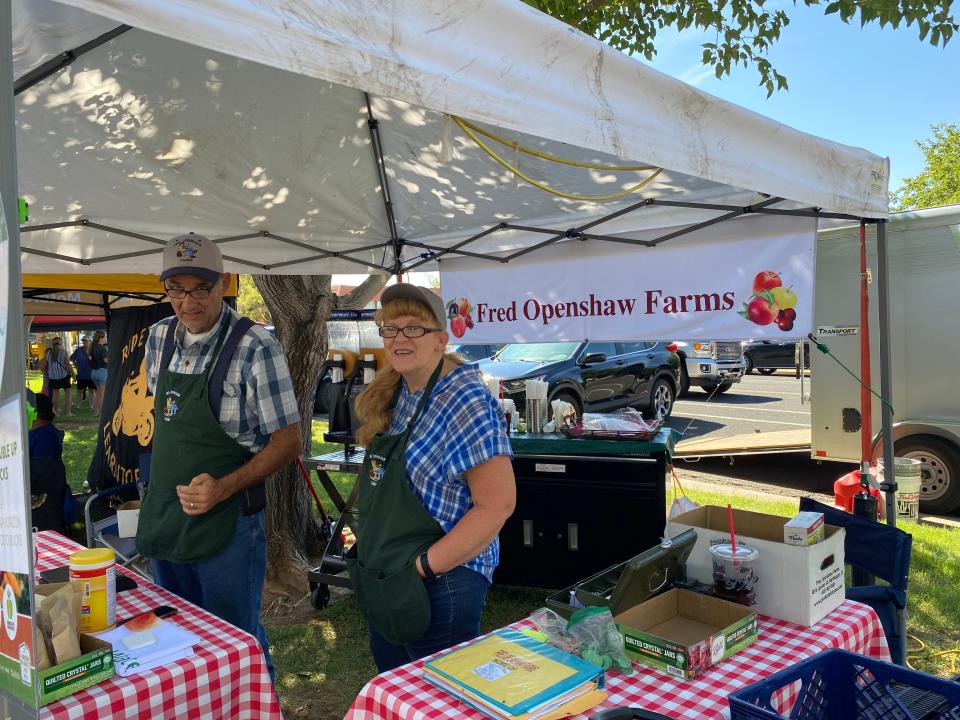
{"points": [[767, 356], [593, 376]]}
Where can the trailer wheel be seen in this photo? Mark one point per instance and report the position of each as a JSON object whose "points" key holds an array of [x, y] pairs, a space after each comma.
{"points": [[939, 472], [320, 596]]}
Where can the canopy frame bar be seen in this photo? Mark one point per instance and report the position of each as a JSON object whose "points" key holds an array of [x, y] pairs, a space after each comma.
{"points": [[435, 252], [376, 143], [64, 59]]}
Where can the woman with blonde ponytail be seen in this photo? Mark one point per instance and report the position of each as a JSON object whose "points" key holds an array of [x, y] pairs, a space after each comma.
{"points": [[435, 488]]}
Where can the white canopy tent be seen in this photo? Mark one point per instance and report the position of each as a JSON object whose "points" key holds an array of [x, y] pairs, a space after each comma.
{"points": [[240, 119], [310, 136]]}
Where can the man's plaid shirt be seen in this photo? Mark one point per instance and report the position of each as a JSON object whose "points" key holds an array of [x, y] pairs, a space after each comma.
{"points": [[258, 396]]}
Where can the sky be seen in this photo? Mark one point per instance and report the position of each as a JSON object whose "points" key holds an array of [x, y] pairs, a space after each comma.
{"points": [[879, 89]]}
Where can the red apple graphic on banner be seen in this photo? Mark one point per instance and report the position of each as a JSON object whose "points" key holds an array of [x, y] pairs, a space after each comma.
{"points": [[766, 280], [761, 311], [770, 302], [458, 315]]}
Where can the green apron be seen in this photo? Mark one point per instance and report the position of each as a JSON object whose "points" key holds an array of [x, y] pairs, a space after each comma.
{"points": [[395, 528], [188, 441]]}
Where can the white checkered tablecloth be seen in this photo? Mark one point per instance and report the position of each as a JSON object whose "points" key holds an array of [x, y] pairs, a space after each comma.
{"points": [[227, 678], [402, 693]]}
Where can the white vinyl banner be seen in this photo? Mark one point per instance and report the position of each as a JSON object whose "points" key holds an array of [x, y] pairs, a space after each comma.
{"points": [[743, 279], [14, 507]]}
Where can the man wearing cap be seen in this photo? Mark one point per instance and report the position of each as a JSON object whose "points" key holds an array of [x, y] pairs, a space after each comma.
{"points": [[226, 417]]}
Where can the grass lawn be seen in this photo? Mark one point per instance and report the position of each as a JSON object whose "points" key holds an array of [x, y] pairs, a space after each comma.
{"points": [[322, 656], [79, 435]]}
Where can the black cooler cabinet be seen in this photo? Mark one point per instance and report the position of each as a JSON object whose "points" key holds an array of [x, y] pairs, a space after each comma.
{"points": [[582, 506]]}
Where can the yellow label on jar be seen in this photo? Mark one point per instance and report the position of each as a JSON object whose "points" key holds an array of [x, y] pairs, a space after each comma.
{"points": [[98, 605]]}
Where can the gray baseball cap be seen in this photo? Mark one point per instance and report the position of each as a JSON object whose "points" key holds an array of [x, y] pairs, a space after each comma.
{"points": [[415, 292], [192, 254]]}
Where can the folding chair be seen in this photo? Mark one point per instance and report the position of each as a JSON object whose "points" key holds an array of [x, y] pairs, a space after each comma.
{"points": [[881, 551], [103, 532]]}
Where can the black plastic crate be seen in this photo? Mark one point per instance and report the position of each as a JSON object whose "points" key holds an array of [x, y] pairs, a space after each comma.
{"points": [[840, 685]]}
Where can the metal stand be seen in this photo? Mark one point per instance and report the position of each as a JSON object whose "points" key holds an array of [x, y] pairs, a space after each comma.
{"points": [[865, 506], [332, 565]]}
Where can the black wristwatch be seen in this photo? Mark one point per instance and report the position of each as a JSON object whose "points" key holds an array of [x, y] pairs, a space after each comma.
{"points": [[428, 573]]}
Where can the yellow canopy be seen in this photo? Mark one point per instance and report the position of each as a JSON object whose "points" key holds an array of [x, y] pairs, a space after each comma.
{"points": [[103, 283]]}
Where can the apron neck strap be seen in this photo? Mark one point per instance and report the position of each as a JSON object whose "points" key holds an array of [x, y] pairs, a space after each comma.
{"points": [[216, 350], [426, 396]]}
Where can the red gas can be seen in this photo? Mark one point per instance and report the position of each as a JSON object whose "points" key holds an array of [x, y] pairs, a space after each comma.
{"points": [[846, 487]]}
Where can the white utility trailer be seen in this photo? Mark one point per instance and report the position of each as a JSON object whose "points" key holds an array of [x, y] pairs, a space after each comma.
{"points": [[924, 273]]}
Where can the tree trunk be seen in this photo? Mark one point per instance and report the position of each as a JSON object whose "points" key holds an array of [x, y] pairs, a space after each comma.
{"points": [[300, 306]]}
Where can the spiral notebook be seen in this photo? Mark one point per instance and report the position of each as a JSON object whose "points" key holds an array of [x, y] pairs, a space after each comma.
{"points": [[510, 675]]}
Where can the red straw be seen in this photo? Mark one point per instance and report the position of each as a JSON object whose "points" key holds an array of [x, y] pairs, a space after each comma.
{"points": [[733, 537]]}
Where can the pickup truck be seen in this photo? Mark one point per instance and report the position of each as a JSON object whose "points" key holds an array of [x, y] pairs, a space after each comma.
{"points": [[711, 365]]}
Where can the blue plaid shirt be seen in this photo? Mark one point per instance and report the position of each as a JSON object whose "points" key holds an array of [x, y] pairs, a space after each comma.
{"points": [[258, 397], [460, 428]]}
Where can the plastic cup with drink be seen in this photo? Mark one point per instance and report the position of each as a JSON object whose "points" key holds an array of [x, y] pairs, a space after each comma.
{"points": [[735, 568], [735, 573]]}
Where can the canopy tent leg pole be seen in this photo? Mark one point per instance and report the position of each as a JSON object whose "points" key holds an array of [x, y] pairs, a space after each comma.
{"points": [[106, 310], [883, 293], [12, 355]]}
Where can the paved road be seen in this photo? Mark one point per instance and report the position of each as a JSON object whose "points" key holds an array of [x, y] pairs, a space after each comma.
{"points": [[759, 404], [756, 404]]}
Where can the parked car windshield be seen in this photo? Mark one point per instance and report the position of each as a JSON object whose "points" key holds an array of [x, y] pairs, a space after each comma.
{"points": [[537, 352]]}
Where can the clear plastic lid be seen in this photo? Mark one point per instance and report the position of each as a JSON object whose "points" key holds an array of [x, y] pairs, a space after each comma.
{"points": [[744, 552]]}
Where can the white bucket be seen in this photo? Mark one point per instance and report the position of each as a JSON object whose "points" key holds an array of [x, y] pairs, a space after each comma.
{"points": [[906, 473]]}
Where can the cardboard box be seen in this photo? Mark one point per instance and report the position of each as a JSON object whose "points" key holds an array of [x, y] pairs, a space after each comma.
{"points": [[94, 665], [799, 584], [683, 633], [805, 528], [128, 516]]}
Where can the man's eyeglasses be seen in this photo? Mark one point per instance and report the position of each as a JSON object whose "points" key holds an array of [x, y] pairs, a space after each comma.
{"points": [[411, 331], [200, 293]]}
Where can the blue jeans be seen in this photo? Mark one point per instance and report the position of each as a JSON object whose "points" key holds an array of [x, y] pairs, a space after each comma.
{"points": [[230, 584], [457, 599]]}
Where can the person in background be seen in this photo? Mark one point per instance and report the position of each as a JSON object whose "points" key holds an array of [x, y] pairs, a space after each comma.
{"points": [[48, 475], [58, 371], [436, 486], [81, 361], [226, 418], [98, 368]]}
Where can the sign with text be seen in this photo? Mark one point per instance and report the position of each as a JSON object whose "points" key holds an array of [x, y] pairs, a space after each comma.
{"points": [[742, 279], [126, 418], [14, 513]]}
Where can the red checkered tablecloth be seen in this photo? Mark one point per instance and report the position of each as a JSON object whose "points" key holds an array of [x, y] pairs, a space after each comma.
{"points": [[227, 678], [401, 693]]}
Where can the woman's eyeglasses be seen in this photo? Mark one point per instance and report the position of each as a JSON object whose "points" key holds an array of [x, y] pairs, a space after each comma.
{"points": [[200, 293], [411, 331]]}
